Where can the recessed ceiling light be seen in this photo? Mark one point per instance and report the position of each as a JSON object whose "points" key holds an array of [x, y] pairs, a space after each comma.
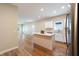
{"points": [[62, 7], [55, 11], [69, 5], [42, 9]]}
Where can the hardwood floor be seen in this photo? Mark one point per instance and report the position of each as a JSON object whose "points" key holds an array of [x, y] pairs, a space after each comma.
{"points": [[26, 49], [59, 49], [10, 53]]}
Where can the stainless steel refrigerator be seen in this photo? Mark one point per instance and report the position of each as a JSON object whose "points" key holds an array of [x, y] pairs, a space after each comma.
{"points": [[68, 34]]}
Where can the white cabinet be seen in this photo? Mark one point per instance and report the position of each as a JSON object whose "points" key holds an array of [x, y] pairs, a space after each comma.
{"points": [[60, 37], [48, 24]]}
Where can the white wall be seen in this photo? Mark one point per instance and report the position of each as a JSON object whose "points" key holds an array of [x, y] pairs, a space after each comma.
{"points": [[8, 26], [27, 28]]}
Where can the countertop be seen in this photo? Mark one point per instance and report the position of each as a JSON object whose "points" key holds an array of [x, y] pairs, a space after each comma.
{"points": [[45, 34]]}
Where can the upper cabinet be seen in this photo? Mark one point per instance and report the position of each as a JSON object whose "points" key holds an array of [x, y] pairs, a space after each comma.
{"points": [[48, 24]]}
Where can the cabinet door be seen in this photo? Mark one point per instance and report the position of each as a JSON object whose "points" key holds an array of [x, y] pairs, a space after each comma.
{"points": [[60, 37], [48, 24]]}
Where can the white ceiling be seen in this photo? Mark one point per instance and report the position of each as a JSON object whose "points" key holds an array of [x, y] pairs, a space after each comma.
{"points": [[29, 12]]}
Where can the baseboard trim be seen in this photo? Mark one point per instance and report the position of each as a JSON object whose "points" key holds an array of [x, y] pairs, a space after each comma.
{"points": [[2, 52], [61, 42]]}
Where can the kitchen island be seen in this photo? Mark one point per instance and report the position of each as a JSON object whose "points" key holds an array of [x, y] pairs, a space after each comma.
{"points": [[43, 42]]}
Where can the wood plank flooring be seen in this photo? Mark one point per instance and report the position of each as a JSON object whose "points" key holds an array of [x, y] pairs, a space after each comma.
{"points": [[26, 49]]}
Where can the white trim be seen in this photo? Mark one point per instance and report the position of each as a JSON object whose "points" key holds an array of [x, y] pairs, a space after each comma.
{"points": [[2, 52]]}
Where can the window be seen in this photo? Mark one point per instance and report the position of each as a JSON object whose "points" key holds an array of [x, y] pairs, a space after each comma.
{"points": [[58, 25], [33, 29], [25, 29]]}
